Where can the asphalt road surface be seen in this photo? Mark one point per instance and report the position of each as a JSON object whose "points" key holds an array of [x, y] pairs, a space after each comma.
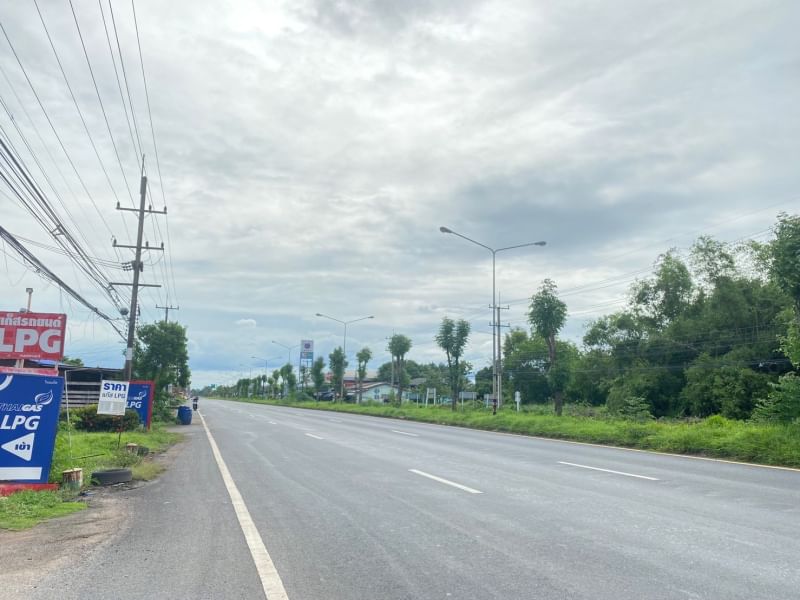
{"points": [[329, 506]]}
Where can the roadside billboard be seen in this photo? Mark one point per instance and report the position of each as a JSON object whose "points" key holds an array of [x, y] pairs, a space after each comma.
{"points": [[307, 350], [27, 335], [140, 399], [29, 406]]}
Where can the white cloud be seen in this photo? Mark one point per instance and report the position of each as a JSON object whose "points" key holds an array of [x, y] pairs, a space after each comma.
{"points": [[310, 151]]}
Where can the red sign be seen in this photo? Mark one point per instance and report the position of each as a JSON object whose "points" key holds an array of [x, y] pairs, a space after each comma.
{"points": [[32, 335]]}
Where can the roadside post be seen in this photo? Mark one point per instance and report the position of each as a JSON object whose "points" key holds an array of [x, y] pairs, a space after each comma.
{"points": [[517, 399]]}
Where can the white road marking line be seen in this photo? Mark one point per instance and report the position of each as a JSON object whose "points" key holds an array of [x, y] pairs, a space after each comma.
{"points": [[270, 579], [316, 437], [335, 420], [561, 462], [404, 433], [446, 482], [272, 423]]}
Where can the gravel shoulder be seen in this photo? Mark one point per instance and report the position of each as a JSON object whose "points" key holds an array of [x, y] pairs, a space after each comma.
{"points": [[59, 544]]}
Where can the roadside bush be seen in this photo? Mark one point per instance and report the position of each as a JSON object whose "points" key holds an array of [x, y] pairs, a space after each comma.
{"points": [[783, 402], [87, 419]]}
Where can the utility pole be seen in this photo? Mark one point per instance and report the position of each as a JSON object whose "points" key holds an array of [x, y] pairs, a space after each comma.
{"points": [[166, 311], [500, 356], [137, 268]]}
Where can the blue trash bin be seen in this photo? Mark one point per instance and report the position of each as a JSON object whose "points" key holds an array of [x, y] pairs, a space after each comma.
{"points": [[185, 415]]}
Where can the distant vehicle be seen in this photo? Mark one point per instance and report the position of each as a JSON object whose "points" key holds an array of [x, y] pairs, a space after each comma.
{"points": [[327, 395]]}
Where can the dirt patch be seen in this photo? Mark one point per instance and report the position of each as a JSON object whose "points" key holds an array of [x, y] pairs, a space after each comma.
{"points": [[55, 544]]}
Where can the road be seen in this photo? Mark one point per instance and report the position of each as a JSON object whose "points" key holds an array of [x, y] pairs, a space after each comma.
{"points": [[352, 507]]}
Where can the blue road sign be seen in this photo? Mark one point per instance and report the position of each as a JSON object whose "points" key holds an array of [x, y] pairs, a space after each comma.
{"points": [[140, 399], [29, 406]]}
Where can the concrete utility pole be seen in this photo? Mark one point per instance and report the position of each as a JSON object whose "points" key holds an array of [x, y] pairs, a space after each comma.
{"points": [[137, 268], [166, 311]]}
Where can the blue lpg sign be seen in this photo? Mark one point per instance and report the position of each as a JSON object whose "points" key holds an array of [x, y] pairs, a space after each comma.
{"points": [[29, 406]]}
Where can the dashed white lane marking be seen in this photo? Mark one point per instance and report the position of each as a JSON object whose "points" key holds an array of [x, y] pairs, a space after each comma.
{"points": [[316, 437], [334, 420], [561, 462], [404, 433], [272, 423], [446, 481], [270, 579]]}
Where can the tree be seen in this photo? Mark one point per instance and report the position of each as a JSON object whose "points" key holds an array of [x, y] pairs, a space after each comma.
{"points": [[160, 354], [398, 347], [337, 364], [289, 379], [75, 362], [662, 299], [452, 338], [547, 316], [363, 357], [317, 375], [785, 255]]}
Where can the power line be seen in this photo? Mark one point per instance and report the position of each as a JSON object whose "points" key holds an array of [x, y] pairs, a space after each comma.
{"points": [[99, 99], [55, 132], [125, 77], [42, 269], [155, 149], [137, 149]]}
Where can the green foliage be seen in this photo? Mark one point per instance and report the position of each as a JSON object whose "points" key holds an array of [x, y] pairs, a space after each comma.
{"points": [[87, 419], [398, 347], [363, 357], [25, 509], [783, 402], [317, 374], [666, 296], [452, 338], [161, 355], [91, 451], [715, 386], [547, 315], [785, 255], [337, 365]]}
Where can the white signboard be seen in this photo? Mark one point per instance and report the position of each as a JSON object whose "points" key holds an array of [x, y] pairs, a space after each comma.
{"points": [[113, 398]]}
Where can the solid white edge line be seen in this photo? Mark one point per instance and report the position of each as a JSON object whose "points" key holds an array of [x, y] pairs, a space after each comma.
{"points": [[267, 573], [404, 433], [446, 481], [316, 437], [561, 462]]}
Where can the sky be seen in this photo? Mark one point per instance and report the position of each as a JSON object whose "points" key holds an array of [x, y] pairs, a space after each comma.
{"points": [[309, 151]]}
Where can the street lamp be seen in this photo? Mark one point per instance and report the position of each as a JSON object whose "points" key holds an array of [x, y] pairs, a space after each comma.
{"points": [[497, 369], [344, 339], [266, 370], [289, 348]]}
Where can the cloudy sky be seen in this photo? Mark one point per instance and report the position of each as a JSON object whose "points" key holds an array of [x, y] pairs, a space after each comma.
{"points": [[309, 151]]}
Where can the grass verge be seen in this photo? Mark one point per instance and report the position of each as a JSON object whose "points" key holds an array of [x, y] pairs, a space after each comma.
{"points": [[91, 451], [715, 437], [25, 509]]}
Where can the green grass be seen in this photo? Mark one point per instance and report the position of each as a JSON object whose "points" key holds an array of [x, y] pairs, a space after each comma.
{"points": [[25, 509], [713, 437], [91, 451]]}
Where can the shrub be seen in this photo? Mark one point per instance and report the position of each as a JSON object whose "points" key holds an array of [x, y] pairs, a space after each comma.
{"points": [[87, 419], [783, 402]]}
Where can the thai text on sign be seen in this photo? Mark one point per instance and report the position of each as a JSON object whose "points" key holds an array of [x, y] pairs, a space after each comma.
{"points": [[32, 335]]}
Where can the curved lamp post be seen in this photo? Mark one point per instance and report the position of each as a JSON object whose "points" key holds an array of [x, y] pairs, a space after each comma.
{"points": [[344, 339], [497, 369]]}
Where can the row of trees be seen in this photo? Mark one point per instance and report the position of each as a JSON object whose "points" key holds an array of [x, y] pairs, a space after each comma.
{"points": [[717, 332]]}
